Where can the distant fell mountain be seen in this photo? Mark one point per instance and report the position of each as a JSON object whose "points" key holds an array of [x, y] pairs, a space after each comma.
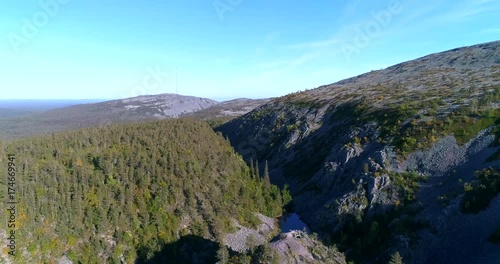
{"points": [[162, 105], [104, 113]]}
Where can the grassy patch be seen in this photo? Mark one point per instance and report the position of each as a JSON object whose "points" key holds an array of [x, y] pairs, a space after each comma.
{"points": [[465, 129], [412, 123], [407, 184], [479, 193], [420, 134]]}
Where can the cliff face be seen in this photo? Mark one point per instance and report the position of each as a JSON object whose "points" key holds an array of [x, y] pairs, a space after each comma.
{"points": [[377, 163]]}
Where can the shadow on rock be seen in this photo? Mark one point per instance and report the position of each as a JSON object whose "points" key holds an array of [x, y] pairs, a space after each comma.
{"points": [[188, 249]]}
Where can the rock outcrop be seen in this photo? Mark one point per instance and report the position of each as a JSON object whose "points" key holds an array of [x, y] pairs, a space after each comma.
{"points": [[298, 247]]}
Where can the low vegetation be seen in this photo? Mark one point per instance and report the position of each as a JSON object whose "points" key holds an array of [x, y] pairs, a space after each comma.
{"points": [[411, 124], [407, 184], [479, 193]]}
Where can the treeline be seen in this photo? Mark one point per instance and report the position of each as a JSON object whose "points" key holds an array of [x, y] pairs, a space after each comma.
{"points": [[125, 191]]}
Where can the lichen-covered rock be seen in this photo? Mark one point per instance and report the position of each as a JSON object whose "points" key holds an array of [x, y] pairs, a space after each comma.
{"points": [[245, 237], [299, 247], [381, 194]]}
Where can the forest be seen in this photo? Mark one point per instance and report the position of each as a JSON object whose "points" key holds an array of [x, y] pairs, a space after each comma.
{"points": [[127, 192]]}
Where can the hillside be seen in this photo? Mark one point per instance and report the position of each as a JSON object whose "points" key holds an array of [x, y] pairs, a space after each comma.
{"points": [[229, 109], [16, 108], [10, 113], [134, 192], [385, 162], [16, 123], [100, 114]]}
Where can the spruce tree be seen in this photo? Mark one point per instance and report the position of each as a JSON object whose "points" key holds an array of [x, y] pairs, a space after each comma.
{"points": [[257, 169], [252, 169], [396, 258], [267, 179]]}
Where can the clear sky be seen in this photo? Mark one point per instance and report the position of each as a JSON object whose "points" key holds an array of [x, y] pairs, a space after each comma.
{"points": [[106, 49]]}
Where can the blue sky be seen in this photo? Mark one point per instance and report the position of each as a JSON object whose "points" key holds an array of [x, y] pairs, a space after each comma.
{"points": [[76, 49]]}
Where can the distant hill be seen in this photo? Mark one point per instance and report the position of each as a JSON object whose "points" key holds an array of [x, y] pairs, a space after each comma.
{"points": [[99, 114], [22, 123], [43, 104], [10, 113], [17, 108], [161, 106]]}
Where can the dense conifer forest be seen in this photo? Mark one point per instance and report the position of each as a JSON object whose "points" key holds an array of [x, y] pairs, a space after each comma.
{"points": [[127, 192]]}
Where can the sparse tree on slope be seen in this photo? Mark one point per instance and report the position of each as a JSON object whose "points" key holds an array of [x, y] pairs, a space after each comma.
{"points": [[396, 258], [267, 179]]}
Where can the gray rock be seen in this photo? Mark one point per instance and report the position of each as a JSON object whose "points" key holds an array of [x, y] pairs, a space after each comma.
{"points": [[65, 260], [237, 241], [299, 247]]}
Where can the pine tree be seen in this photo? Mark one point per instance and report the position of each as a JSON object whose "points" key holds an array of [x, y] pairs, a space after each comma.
{"points": [[252, 169]]}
